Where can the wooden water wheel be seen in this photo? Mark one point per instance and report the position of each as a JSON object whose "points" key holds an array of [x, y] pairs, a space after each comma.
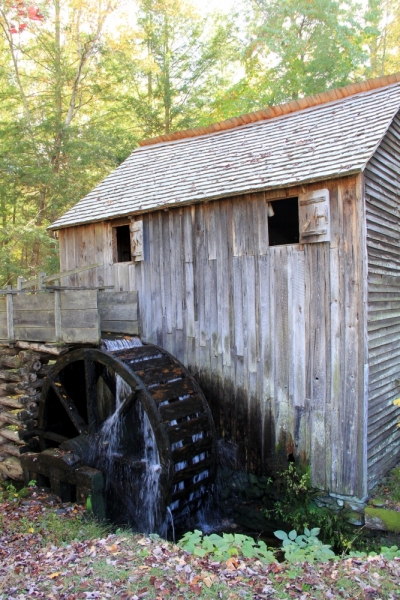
{"points": [[91, 393]]}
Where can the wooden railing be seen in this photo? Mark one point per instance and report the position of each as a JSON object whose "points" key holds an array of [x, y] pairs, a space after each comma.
{"points": [[37, 312]]}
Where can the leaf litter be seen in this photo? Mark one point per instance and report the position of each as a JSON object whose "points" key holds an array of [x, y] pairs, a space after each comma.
{"points": [[47, 550]]}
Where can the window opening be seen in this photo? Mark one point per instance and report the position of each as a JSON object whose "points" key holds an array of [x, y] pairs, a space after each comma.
{"points": [[123, 243], [283, 224]]}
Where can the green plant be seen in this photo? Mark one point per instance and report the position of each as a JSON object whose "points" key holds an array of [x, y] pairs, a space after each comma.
{"points": [[89, 507], [32, 483], [8, 491], [304, 547], [295, 508], [385, 551], [225, 546]]}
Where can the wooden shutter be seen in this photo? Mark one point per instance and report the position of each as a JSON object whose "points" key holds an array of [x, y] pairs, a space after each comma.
{"points": [[314, 217], [136, 229]]}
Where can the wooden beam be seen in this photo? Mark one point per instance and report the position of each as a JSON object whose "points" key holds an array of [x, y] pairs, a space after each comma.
{"points": [[37, 280]]}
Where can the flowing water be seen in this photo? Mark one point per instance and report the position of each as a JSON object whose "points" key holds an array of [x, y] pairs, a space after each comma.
{"points": [[121, 343], [125, 450]]}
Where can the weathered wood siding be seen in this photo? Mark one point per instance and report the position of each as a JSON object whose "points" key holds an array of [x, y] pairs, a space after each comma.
{"points": [[382, 190], [275, 335]]}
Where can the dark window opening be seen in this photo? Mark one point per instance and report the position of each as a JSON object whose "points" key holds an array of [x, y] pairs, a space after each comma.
{"points": [[123, 244], [283, 226]]}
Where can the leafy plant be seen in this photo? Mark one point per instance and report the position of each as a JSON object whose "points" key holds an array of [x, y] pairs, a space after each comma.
{"points": [[385, 551], [225, 546], [8, 492], [89, 507], [295, 508], [304, 547]]}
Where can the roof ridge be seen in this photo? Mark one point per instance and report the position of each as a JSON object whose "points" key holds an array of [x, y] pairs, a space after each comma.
{"points": [[279, 110]]}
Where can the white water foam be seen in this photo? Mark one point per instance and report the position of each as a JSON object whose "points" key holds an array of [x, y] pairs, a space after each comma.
{"points": [[139, 491], [122, 343]]}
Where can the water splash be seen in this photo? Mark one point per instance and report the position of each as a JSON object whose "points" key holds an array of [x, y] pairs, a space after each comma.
{"points": [[132, 484], [148, 512]]}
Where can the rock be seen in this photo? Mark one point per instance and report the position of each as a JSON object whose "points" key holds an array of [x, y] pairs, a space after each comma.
{"points": [[353, 517], [354, 505], [382, 519], [328, 503], [374, 522]]}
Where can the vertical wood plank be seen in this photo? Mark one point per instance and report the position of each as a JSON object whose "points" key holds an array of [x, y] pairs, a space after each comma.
{"points": [[262, 224], [223, 283], [172, 266], [282, 368], [201, 259], [238, 304], [168, 273], [265, 373], [10, 314]]}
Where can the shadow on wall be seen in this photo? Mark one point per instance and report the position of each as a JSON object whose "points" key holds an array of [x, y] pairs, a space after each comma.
{"points": [[249, 425]]}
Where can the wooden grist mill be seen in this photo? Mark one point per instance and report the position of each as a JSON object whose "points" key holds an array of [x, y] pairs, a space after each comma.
{"points": [[263, 254], [123, 423]]}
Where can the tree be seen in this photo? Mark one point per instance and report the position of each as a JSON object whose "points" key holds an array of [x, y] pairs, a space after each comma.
{"points": [[382, 37], [302, 47], [45, 120], [167, 68]]}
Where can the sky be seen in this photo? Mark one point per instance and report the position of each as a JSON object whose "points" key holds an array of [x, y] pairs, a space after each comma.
{"points": [[211, 5]]}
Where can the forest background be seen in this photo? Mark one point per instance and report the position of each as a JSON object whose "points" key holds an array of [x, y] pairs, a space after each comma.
{"points": [[82, 81]]}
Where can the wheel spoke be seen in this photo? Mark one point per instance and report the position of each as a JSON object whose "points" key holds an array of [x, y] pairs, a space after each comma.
{"points": [[109, 381], [128, 402], [91, 393], [68, 404]]}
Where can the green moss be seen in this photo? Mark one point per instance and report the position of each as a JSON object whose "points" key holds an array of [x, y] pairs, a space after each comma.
{"points": [[391, 518]]}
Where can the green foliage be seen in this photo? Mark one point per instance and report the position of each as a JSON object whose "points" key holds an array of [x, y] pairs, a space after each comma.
{"points": [[304, 547], [225, 546], [385, 551], [7, 492], [89, 507], [310, 45], [295, 508], [393, 485]]}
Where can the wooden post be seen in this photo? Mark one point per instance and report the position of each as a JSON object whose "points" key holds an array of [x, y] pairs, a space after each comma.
{"points": [[57, 313], [115, 272], [10, 315], [20, 281], [41, 278]]}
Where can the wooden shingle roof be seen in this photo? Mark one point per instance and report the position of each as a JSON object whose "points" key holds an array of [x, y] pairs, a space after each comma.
{"points": [[322, 139]]}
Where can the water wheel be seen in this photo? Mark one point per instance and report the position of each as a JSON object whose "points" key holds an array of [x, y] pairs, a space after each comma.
{"points": [[134, 416]]}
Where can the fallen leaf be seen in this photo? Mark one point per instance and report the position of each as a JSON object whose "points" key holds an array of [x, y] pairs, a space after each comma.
{"points": [[54, 575], [232, 564]]}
